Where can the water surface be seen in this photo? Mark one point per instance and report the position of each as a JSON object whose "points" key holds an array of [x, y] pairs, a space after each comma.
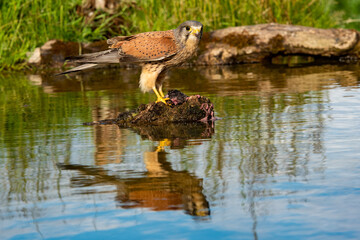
{"points": [[283, 161]]}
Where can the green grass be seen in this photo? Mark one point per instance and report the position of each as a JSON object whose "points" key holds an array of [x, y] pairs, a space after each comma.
{"points": [[27, 24], [214, 14], [351, 13]]}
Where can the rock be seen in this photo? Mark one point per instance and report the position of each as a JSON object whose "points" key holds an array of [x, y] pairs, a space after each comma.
{"points": [[53, 53], [109, 6], [257, 43], [35, 57], [181, 109]]}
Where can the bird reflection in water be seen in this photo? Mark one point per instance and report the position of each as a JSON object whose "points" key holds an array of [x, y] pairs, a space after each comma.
{"points": [[160, 187]]}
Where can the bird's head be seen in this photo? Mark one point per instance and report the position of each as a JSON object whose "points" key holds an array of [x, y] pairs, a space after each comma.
{"points": [[189, 32]]}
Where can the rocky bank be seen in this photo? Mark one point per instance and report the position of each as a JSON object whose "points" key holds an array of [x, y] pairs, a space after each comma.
{"points": [[274, 43]]}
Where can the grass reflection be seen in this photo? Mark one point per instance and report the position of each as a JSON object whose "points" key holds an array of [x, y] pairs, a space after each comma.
{"points": [[35, 129]]}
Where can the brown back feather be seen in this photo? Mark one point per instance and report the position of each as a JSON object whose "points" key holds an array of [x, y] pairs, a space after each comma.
{"points": [[143, 47]]}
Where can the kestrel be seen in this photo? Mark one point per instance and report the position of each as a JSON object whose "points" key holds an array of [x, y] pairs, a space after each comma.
{"points": [[156, 52]]}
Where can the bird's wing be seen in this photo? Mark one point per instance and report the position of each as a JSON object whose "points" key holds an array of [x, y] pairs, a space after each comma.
{"points": [[116, 42], [145, 47]]}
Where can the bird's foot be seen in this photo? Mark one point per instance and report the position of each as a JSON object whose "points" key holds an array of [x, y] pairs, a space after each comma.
{"points": [[162, 144], [162, 99]]}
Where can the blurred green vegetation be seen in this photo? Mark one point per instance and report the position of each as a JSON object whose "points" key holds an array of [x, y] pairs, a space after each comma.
{"points": [[351, 13], [215, 14], [27, 24]]}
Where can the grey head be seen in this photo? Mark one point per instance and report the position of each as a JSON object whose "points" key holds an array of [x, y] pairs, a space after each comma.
{"points": [[188, 30]]}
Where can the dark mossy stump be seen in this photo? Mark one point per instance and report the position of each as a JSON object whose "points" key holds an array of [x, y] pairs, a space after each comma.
{"points": [[180, 109]]}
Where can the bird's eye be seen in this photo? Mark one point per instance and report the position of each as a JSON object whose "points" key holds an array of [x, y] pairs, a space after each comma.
{"points": [[187, 28]]}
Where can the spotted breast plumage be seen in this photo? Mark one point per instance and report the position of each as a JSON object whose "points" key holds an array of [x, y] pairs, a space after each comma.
{"points": [[156, 52]]}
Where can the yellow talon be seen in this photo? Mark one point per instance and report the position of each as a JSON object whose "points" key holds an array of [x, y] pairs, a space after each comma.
{"points": [[160, 97]]}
